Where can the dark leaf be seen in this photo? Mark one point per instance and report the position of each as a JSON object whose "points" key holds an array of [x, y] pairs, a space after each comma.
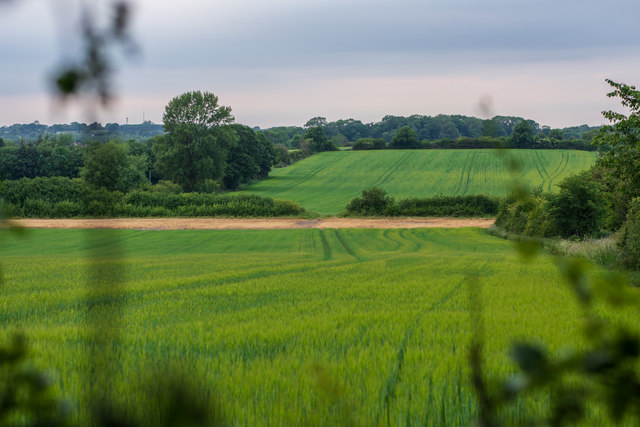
{"points": [[530, 358], [69, 82]]}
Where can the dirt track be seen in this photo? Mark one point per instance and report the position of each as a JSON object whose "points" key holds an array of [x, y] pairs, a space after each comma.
{"points": [[251, 223]]}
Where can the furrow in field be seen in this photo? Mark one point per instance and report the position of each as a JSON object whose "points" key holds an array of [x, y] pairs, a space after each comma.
{"points": [[537, 162], [349, 250], [542, 171], [326, 248], [466, 187], [311, 174], [416, 244], [397, 244], [390, 170], [564, 162], [458, 190], [395, 168], [388, 392]]}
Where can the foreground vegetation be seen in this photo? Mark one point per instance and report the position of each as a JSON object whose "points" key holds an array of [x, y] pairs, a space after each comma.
{"points": [[297, 327], [326, 182]]}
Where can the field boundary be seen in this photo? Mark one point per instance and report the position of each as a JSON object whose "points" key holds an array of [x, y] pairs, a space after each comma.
{"points": [[251, 223]]}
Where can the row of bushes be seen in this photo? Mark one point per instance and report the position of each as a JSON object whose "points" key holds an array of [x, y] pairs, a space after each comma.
{"points": [[376, 202], [579, 210], [71, 198]]}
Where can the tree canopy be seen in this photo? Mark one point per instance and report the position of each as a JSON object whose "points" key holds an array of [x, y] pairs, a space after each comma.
{"points": [[406, 137], [195, 147], [620, 141], [196, 109], [522, 136]]}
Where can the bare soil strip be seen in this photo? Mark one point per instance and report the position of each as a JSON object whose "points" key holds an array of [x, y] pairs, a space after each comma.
{"points": [[251, 223]]}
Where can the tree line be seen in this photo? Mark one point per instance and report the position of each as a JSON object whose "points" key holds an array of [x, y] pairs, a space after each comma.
{"points": [[80, 132], [441, 131], [200, 150]]}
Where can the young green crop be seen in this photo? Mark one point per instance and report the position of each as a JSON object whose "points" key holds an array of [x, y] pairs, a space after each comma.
{"points": [[326, 182], [287, 327]]}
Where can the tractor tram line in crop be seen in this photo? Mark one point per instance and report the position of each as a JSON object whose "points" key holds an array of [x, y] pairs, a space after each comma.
{"points": [[254, 313]]}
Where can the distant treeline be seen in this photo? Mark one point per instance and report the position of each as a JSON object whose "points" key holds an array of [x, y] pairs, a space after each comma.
{"points": [[81, 132], [126, 164], [73, 198], [441, 131]]}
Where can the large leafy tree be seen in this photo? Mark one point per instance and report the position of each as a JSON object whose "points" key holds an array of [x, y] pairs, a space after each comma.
{"points": [[242, 161], [522, 136], [620, 141], [195, 147], [318, 141], [406, 137]]}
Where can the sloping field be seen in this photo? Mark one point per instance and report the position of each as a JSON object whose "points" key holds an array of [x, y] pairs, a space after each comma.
{"points": [[284, 327], [325, 182]]}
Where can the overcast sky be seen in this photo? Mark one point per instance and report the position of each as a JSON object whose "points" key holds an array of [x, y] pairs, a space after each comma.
{"points": [[281, 62]]}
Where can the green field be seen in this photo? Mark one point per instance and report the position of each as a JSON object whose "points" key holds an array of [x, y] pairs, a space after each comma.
{"points": [[326, 182], [289, 327]]}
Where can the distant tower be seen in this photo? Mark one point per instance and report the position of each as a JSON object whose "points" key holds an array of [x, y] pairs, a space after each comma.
{"points": [[143, 117], [127, 120]]}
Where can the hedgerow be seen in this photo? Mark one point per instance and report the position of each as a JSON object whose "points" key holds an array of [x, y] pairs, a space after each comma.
{"points": [[71, 198], [375, 202]]}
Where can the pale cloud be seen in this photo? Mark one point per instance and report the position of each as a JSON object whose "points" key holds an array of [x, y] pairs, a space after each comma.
{"points": [[284, 61]]}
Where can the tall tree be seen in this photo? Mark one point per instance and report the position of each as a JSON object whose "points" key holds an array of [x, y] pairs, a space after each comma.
{"points": [[522, 136], [405, 137], [620, 141], [318, 141], [316, 122], [195, 147]]}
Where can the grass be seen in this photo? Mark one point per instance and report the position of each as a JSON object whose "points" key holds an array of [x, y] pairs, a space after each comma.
{"points": [[285, 327], [326, 182]]}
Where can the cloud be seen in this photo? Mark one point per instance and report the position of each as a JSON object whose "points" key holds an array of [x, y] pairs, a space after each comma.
{"points": [[283, 61], [314, 33]]}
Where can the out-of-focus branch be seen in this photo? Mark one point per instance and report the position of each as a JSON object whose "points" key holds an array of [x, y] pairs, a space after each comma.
{"points": [[92, 73]]}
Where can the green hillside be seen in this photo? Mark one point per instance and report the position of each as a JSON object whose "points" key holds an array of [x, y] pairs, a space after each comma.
{"points": [[286, 327], [325, 182]]}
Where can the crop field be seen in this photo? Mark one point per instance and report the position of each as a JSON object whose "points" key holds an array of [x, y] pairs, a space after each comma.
{"points": [[326, 182], [283, 327]]}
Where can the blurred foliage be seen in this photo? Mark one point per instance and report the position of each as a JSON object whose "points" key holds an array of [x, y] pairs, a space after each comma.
{"points": [[603, 373], [26, 396], [92, 73]]}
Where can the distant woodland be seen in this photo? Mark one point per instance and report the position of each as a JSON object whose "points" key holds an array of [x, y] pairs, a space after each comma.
{"points": [[138, 154], [341, 132]]}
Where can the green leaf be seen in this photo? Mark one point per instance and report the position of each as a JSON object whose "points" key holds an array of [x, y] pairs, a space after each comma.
{"points": [[530, 358]]}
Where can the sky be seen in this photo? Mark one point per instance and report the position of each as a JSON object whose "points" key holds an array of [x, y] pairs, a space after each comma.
{"points": [[282, 62]]}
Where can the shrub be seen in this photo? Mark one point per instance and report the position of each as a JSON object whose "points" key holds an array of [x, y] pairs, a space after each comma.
{"points": [[36, 208], [51, 190], [630, 236], [456, 206], [164, 186], [579, 208], [67, 209], [373, 202], [523, 216]]}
